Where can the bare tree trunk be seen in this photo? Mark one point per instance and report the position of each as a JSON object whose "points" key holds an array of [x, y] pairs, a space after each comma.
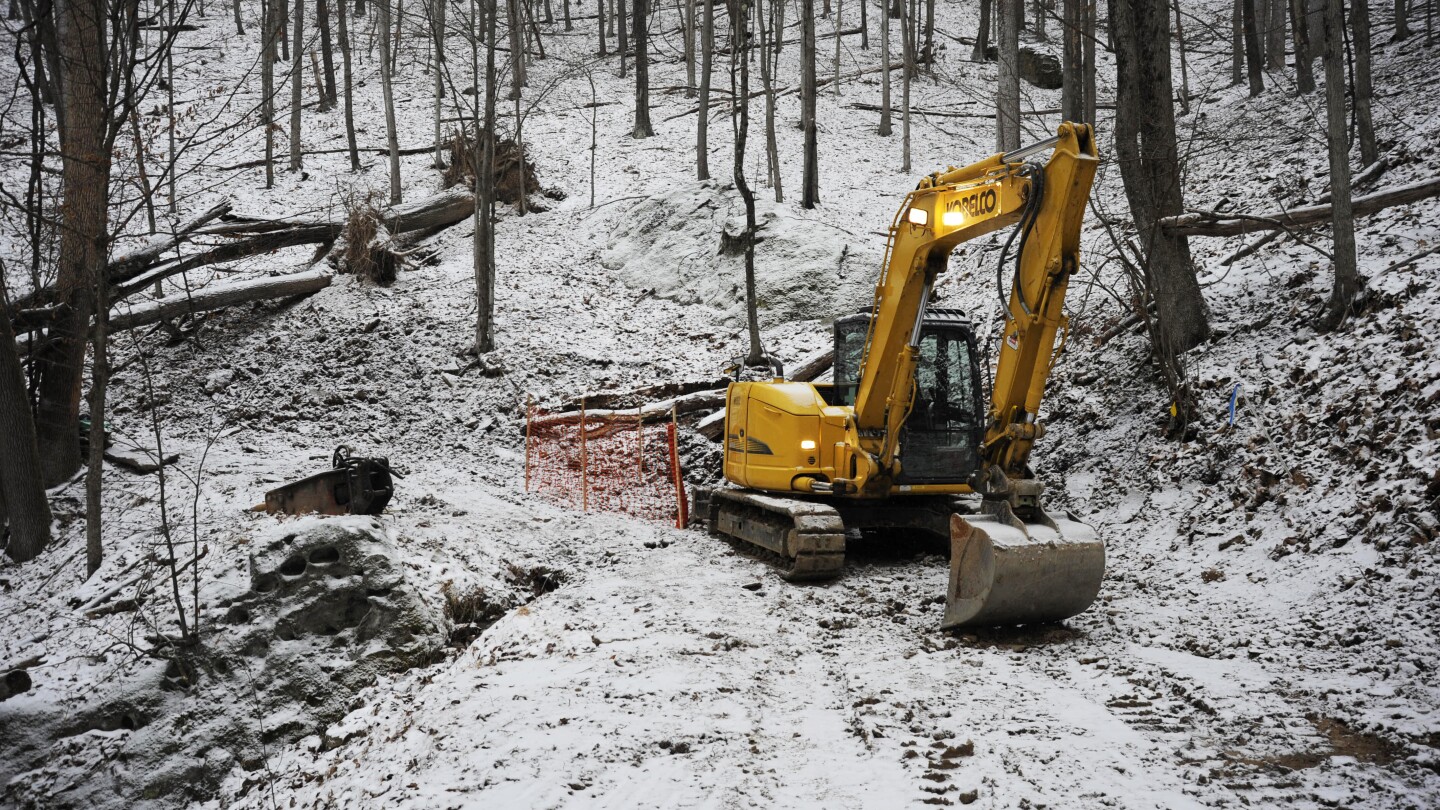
{"points": [[1145, 145], [1237, 42], [982, 33], [1300, 33], [1402, 20], [839, 40], [517, 47], [297, 77], [768, 65], [929, 53], [392, 139], [1347, 284], [642, 71], [349, 88], [864, 26], [740, 63], [239, 24], [485, 201], [702, 125], [22, 489], [620, 33], [99, 383], [687, 12], [907, 49], [1275, 34], [83, 233], [1184, 66], [1364, 90], [1007, 91], [885, 125], [1254, 66], [810, 182], [267, 85], [1087, 77], [437, 25], [327, 56], [282, 14], [1072, 95], [600, 27]]}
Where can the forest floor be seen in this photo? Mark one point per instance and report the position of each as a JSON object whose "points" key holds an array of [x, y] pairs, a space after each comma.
{"points": [[1270, 619]]}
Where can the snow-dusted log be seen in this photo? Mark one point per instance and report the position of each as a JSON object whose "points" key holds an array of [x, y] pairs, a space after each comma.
{"points": [[219, 296], [1210, 223]]}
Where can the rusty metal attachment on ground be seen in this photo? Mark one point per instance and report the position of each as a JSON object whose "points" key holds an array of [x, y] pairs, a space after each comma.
{"points": [[355, 486]]}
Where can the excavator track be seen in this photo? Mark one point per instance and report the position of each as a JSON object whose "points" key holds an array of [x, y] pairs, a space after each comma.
{"points": [[807, 538], [1003, 570]]}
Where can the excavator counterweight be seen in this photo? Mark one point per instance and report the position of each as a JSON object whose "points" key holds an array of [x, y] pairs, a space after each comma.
{"points": [[901, 440]]}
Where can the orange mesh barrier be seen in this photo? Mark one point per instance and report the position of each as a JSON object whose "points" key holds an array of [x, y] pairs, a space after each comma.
{"points": [[606, 462]]}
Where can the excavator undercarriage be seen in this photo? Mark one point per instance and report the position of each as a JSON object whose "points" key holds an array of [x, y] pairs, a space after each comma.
{"points": [[1002, 570]]}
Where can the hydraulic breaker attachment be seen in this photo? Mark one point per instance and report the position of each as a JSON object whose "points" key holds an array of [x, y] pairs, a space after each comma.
{"points": [[1004, 571], [355, 486]]}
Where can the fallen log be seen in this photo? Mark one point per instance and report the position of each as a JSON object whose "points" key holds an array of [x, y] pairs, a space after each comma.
{"points": [[1210, 223], [620, 400], [652, 412], [220, 296]]}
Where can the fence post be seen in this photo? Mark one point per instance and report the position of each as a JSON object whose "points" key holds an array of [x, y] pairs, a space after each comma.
{"points": [[584, 464], [529, 417], [681, 506]]}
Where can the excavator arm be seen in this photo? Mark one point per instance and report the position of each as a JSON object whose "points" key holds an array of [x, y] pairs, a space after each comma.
{"points": [[947, 209]]}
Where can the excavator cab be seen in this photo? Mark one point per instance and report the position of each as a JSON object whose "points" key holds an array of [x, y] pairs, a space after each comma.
{"points": [[941, 438]]}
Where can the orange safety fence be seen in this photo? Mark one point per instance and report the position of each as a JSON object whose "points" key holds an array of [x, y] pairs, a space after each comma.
{"points": [[606, 461]]}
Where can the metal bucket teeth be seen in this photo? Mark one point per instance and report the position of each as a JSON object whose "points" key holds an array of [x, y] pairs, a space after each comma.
{"points": [[1001, 574]]}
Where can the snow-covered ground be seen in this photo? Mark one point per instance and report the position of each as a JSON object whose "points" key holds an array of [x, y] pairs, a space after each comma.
{"points": [[1266, 633]]}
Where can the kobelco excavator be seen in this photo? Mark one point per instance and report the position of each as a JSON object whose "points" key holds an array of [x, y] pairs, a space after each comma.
{"points": [[897, 440]]}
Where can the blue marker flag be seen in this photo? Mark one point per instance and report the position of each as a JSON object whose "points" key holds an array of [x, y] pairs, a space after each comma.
{"points": [[1234, 400]]}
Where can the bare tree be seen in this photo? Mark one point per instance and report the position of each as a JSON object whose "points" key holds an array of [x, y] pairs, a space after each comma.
{"points": [[1072, 99], [982, 33], [1402, 20], [485, 200], [600, 16], [702, 124], [271, 31], [740, 65], [86, 156], [1150, 169], [642, 72], [1237, 42], [437, 43], [1007, 91], [1274, 34], [810, 181], [769, 59], [296, 78], [1363, 90], [1184, 60], [687, 12], [516, 23], [1300, 34], [22, 488], [1254, 65], [392, 139], [908, 74], [1347, 284], [349, 87], [885, 125], [327, 57]]}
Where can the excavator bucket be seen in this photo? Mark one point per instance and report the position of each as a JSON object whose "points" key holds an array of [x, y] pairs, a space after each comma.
{"points": [[1005, 572]]}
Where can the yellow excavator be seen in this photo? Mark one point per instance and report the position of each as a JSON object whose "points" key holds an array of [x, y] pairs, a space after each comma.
{"points": [[897, 441]]}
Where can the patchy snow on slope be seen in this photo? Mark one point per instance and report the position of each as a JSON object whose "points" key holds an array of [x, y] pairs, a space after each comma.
{"points": [[1266, 633]]}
